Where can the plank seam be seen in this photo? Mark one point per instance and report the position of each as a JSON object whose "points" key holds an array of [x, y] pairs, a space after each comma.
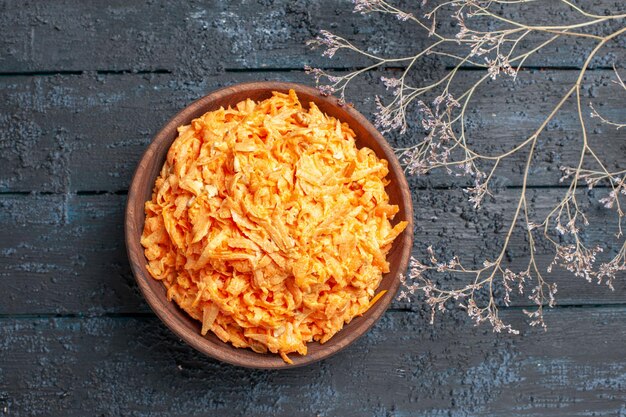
{"points": [[415, 188], [48, 73], [6, 316], [413, 309], [51, 73]]}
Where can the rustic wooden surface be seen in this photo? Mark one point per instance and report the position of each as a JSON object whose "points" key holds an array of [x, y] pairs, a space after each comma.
{"points": [[141, 189], [83, 88]]}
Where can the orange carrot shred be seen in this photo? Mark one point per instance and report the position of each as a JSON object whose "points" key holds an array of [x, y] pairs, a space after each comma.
{"points": [[269, 226]]}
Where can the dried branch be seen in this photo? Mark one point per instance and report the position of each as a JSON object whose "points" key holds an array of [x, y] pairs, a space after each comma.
{"points": [[500, 53], [594, 112]]}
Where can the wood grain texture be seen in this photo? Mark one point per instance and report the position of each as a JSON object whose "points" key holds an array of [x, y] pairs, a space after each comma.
{"points": [[200, 37], [66, 254], [84, 86], [403, 367], [142, 186], [55, 129]]}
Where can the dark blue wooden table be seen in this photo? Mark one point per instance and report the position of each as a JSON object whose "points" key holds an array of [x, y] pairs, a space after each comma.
{"points": [[84, 85]]}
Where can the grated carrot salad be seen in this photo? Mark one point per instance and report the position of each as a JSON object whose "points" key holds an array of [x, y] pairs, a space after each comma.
{"points": [[269, 226]]}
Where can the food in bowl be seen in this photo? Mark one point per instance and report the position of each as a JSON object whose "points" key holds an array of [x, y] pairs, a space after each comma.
{"points": [[269, 226]]}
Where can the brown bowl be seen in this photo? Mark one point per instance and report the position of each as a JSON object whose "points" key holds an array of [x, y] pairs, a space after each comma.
{"points": [[187, 328]]}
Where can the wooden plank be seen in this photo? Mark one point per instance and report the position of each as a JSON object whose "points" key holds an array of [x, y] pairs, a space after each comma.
{"points": [[196, 39], [402, 367], [66, 254], [53, 130]]}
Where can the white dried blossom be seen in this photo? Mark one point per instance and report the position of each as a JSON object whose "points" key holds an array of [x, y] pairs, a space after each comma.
{"points": [[331, 41], [402, 16], [500, 64], [391, 83], [576, 259], [389, 118], [326, 90], [366, 6], [477, 193], [369, 6]]}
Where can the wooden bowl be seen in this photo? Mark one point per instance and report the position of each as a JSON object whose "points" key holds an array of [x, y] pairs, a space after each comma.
{"points": [[187, 328]]}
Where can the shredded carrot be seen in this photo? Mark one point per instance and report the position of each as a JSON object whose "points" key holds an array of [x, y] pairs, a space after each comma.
{"points": [[377, 297], [269, 226]]}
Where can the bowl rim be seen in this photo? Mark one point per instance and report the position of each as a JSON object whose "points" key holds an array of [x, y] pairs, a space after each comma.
{"points": [[137, 258]]}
